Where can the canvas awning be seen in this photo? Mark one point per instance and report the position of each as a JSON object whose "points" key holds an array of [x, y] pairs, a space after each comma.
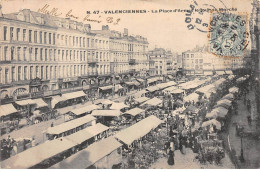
{"points": [[212, 122], [67, 96], [229, 72], [58, 129], [7, 109], [241, 79], [208, 73], [104, 101], [89, 156], [134, 111], [138, 130], [140, 93], [141, 99], [74, 95], [25, 102], [224, 102], [233, 90], [217, 112], [150, 80], [118, 87], [229, 96], [153, 102], [192, 97], [85, 109], [220, 72], [118, 106], [37, 154], [170, 76], [177, 91], [106, 87], [111, 113], [97, 129], [152, 88], [140, 80], [230, 77], [129, 83]]}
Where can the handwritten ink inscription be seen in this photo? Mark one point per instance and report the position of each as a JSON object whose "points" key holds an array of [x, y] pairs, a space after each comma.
{"points": [[53, 11]]}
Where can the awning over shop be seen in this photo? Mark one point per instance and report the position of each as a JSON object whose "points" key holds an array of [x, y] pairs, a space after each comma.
{"points": [[229, 72], [118, 106], [85, 109], [58, 129], [136, 83], [37, 154], [138, 130], [191, 84], [111, 113], [134, 111], [74, 95], [106, 87], [169, 89], [25, 102], [220, 72], [212, 122], [153, 102], [217, 112], [233, 90], [192, 97], [208, 73], [7, 109], [40, 103], [152, 88], [141, 99], [89, 156]]}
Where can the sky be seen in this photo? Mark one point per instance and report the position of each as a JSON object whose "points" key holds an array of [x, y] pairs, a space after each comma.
{"points": [[163, 29]]}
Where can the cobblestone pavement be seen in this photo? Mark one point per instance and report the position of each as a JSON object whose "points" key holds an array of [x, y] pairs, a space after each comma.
{"points": [[188, 161]]}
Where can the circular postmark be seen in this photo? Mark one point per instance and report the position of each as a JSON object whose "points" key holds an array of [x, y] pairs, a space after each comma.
{"points": [[228, 35]]}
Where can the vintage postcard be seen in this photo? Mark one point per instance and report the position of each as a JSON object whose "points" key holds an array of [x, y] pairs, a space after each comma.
{"points": [[129, 84]]}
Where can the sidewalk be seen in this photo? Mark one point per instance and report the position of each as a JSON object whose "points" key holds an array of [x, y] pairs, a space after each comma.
{"points": [[251, 147], [188, 161]]}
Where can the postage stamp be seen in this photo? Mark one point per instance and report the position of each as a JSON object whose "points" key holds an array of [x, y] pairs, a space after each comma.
{"points": [[228, 34]]}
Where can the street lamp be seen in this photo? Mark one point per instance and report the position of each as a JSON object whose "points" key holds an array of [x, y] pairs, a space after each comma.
{"points": [[242, 159]]}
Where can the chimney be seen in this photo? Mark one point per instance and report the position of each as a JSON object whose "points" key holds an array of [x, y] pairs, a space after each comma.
{"points": [[105, 27], [125, 32]]}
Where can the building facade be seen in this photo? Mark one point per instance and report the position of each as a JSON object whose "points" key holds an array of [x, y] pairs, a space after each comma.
{"points": [[200, 62], [42, 55], [162, 62]]}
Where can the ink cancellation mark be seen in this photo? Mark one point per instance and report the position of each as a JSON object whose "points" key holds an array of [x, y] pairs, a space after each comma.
{"points": [[228, 34]]}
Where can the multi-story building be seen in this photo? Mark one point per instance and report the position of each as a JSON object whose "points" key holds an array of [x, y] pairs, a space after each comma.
{"points": [[161, 62], [128, 53], [200, 62], [43, 55]]}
